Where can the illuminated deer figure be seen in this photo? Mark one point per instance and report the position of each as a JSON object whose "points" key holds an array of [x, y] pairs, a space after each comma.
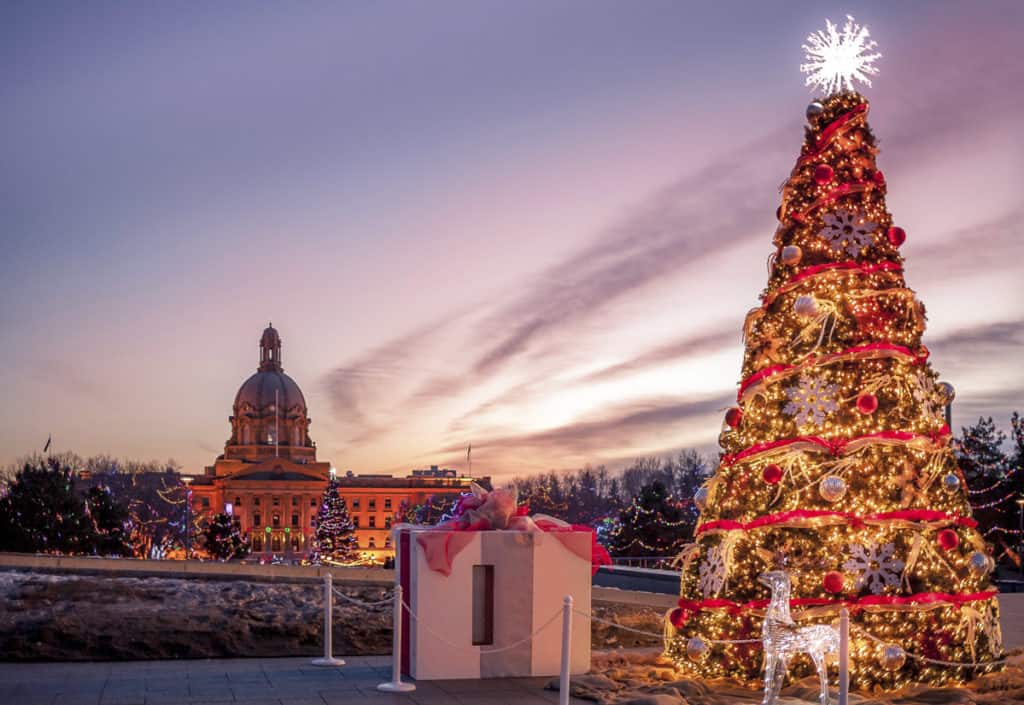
{"points": [[783, 638]]}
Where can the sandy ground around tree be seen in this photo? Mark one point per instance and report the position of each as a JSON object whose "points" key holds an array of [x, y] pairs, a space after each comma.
{"points": [[642, 677]]}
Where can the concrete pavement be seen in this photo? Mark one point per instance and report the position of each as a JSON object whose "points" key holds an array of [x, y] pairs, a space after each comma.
{"points": [[285, 681]]}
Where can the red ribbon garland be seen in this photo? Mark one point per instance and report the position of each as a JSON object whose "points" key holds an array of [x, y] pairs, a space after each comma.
{"points": [[813, 270], [833, 445], [829, 132], [838, 192], [918, 358], [857, 604], [852, 519]]}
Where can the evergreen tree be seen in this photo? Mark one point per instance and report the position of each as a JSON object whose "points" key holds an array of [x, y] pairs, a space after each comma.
{"points": [[110, 522], [42, 513], [336, 540], [223, 539], [654, 524], [980, 455], [837, 464]]}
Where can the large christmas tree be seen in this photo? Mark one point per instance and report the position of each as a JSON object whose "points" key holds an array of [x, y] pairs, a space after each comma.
{"points": [[837, 464], [336, 540]]}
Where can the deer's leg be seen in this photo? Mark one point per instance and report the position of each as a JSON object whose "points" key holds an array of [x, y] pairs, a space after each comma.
{"points": [[819, 663], [770, 671]]}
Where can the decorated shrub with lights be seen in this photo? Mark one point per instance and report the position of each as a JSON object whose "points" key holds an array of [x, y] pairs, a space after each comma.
{"points": [[837, 465]]}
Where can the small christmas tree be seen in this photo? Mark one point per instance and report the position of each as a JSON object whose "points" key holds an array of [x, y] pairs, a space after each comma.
{"points": [[110, 522], [336, 540], [838, 465], [223, 538], [654, 524]]}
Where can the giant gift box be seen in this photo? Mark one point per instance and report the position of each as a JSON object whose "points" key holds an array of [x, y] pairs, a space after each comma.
{"points": [[532, 573]]}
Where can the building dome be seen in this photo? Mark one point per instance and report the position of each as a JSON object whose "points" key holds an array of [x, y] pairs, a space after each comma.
{"points": [[269, 408], [268, 388]]}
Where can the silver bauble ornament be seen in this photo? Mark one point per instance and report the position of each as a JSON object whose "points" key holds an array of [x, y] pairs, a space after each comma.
{"points": [[700, 498], [806, 306], [893, 657], [832, 488], [946, 392], [980, 563], [696, 648], [951, 482], [814, 110], [791, 254]]}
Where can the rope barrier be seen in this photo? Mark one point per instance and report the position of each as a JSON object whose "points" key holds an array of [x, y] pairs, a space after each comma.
{"points": [[462, 647], [386, 601], [659, 635], [937, 662]]}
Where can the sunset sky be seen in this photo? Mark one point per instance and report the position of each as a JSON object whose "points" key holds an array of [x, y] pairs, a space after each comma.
{"points": [[531, 226]]}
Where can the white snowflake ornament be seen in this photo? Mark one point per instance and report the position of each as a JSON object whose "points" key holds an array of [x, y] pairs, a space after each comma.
{"points": [[712, 572], [848, 230], [836, 59], [810, 400], [876, 566]]}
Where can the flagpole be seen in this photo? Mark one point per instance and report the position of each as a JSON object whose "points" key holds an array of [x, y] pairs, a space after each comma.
{"points": [[277, 431]]}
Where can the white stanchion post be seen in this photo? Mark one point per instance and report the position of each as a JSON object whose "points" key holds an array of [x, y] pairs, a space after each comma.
{"points": [[563, 678], [844, 656], [396, 684], [328, 658]]}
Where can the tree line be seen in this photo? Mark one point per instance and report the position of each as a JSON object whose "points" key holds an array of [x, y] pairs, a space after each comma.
{"points": [[106, 506]]}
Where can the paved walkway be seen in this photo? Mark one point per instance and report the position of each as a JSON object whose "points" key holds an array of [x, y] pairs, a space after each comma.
{"points": [[285, 681]]}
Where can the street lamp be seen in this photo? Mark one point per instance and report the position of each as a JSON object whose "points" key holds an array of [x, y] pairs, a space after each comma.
{"points": [[188, 515]]}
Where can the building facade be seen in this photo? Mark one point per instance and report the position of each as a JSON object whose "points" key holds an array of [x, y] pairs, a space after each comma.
{"points": [[270, 480]]}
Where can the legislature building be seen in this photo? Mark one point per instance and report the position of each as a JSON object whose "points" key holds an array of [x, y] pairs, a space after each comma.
{"points": [[270, 480]]}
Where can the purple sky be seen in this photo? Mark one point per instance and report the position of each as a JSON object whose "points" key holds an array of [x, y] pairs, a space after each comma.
{"points": [[532, 226]]}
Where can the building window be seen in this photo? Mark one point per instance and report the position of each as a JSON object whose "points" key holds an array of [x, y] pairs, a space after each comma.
{"points": [[295, 543], [372, 544], [238, 501], [206, 502], [355, 503], [257, 544], [312, 521], [277, 501], [373, 503], [387, 522], [277, 520], [256, 501], [387, 541], [373, 521], [295, 519], [295, 501], [387, 503], [312, 501], [355, 522], [275, 543], [256, 519]]}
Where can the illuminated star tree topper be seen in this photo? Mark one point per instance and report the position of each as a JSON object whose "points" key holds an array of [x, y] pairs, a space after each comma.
{"points": [[836, 58]]}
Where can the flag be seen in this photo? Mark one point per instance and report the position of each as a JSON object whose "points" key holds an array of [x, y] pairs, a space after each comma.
{"points": [[468, 451], [49, 438]]}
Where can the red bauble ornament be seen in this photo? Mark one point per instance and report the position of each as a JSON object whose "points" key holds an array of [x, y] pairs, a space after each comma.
{"points": [[823, 173], [947, 539], [772, 474], [733, 417], [879, 178], [833, 582], [897, 236], [867, 403], [679, 617], [778, 214]]}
